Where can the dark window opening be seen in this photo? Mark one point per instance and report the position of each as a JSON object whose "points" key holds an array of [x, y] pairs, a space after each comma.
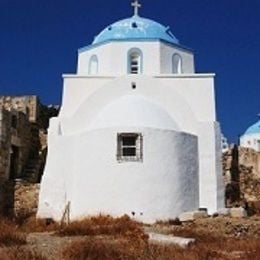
{"points": [[14, 160], [133, 85], [134, 25], [129, 151], [129, 147], [135, 63]]}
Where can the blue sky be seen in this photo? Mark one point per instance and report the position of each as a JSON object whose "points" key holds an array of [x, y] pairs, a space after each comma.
{"points": [[39, 41]]}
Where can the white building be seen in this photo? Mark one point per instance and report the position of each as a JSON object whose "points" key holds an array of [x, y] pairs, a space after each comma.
{"points": [[137, 132], [225, 145], [251, 138]]}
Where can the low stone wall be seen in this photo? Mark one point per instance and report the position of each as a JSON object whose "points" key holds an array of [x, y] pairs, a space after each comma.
{"points": [[25, 198]]}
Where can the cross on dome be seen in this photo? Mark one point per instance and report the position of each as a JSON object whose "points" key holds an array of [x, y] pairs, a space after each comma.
{"points": [[136, 6]]}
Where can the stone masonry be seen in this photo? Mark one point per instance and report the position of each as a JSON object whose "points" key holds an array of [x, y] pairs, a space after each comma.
{"points": [[241, 168], [23, 148], [17, 115]]}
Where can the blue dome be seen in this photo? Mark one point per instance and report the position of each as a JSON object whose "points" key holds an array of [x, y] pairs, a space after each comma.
{"points": [[136, 28], [254, 129]]}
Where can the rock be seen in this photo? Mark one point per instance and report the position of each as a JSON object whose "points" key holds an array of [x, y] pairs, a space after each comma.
{"points": [[224, 212], [167, 240], [193, 215], [238, 212], [215, 215]]}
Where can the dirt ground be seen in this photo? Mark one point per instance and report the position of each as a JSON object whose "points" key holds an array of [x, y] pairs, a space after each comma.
{"points": [[219, 226], [51, 246]]}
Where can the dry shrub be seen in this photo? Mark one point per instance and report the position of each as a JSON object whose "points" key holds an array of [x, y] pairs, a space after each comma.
{"points": [[169, 222], [9, 235], [103, 249], [32, 224], [17, 253], [120, 249], [104, 225], [214, 245], [131, 250]]}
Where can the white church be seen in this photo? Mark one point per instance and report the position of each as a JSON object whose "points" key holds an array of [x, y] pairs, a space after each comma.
{"points": [[137, 131], [251, 137]]}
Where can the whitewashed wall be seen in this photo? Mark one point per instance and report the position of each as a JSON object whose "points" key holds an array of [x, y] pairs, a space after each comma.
{"points": [[113, 58], [161, 187], [166, 53], [185, 98]]}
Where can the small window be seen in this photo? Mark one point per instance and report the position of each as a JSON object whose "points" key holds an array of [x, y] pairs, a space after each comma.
{"points": [[93, 65], [130, 147], [134, 25], [135, 61], [176, 64]]}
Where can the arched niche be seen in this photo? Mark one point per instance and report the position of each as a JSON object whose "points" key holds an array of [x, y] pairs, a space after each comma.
{"points": [[93, 65], [176, 64]]}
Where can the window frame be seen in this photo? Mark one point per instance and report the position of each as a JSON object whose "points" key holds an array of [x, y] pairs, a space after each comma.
{"points": [[138, 59], [138, 157]]}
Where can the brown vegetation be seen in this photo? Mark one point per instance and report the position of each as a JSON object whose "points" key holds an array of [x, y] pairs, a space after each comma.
{"points": [[31, 224], [104, 237], [103, 225], [17, 253], [9, 235], [206, 247], [134, 250]]}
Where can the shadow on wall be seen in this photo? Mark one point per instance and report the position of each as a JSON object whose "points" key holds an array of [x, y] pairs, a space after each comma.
{"points": [[7, 198], [233, 193]]}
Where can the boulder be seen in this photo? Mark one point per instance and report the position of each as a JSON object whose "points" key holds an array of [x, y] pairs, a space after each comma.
{"points": [[168, 240], [224, 212], [193, 215], [238, 212]]}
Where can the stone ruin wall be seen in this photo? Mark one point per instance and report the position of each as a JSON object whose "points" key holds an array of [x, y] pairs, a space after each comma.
{"points": [[5, 139], [17, 115], [19, 137], [26, 196], [19, 195], [241, 168], [28, 105]]}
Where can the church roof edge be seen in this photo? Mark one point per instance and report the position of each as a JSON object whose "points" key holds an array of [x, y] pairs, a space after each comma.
{"points": [[92, 46]]}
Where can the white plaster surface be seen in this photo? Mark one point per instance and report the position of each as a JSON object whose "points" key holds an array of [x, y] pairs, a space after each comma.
{"points": [[181, 166], [112, 58], [162, 186]]}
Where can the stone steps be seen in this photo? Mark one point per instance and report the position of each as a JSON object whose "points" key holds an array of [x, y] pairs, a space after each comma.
{"points": [[31, 172]]}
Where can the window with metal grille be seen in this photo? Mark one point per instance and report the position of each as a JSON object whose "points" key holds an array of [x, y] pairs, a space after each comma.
{"points": [[129, 147], [135, 60]]}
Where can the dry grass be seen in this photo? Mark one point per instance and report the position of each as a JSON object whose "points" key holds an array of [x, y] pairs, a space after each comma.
{"points": [[104, 249], [9, 235], [104, 237], [104, 225], [17, 253], [209, 245], [122, 248], [32, 224], [170, 222]]}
